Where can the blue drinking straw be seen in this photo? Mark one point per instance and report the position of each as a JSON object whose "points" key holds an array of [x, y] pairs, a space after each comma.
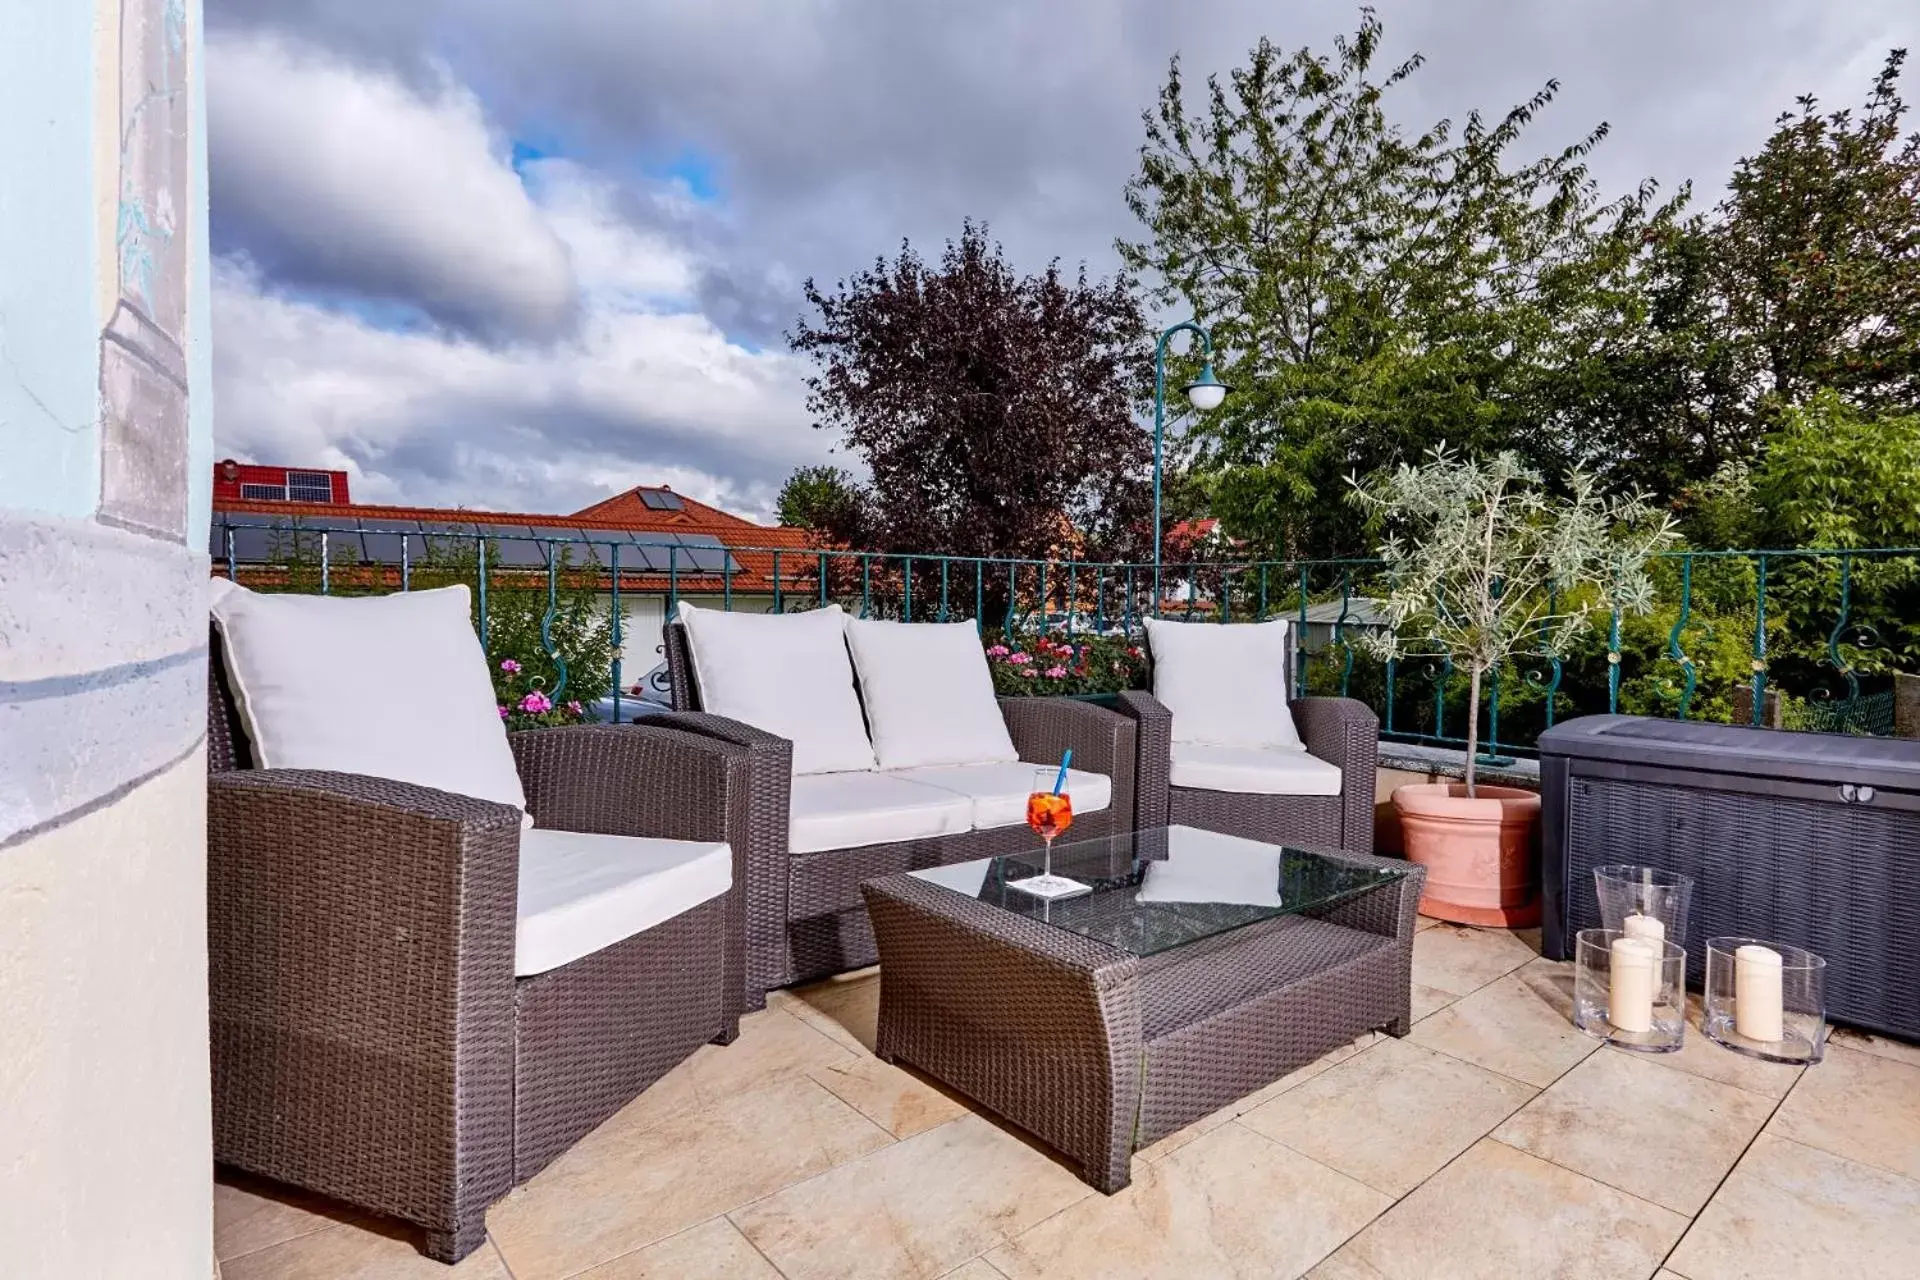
{"points": [[1061, 781]]}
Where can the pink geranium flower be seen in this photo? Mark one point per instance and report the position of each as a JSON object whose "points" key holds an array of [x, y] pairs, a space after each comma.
{"points": [[1027, 671], [503, 711], [997, 651], [509, 666], [1020, 659], [1055, 673], [536, 703], [575, 710]]}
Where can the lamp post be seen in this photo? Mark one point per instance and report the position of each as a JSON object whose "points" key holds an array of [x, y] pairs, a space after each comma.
{"points": [[1204, 393]]}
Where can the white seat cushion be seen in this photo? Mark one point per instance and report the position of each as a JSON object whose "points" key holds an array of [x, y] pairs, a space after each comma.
{"points": [[1224, 683], [1265, 771], [579, 892], [997, 793], [785, 673], [846, 810], [928, 694], [390, 686]]}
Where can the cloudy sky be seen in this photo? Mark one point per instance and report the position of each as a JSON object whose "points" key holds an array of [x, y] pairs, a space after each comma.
{"points": [[517, 255]]}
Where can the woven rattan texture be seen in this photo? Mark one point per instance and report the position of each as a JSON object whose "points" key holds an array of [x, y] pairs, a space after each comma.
{"points": [[592, 1034], [1342, 731], [370, 1041], [805, 918], [1095, 1052]]}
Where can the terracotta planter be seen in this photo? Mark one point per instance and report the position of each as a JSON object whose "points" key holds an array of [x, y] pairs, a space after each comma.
{"points": [[1478, 852]]}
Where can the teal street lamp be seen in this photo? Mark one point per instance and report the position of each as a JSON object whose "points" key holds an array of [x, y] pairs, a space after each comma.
{"points": [[1203, 393]]}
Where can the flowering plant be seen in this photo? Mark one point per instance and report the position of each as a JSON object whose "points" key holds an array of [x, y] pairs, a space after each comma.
{"points": [[524, 703], [1057, 664]]}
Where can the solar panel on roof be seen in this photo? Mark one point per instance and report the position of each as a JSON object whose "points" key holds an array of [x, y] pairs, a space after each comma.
{"points": [[661, 499], [512, 552], [385, 538], [250, 546]]}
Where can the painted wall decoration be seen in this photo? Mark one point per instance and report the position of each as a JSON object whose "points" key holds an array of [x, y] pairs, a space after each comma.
{"points": [[143, 362]]}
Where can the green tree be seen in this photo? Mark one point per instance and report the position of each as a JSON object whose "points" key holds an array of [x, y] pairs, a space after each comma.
{"points": [[1818, 254], [1375, 292], [828, 501]]}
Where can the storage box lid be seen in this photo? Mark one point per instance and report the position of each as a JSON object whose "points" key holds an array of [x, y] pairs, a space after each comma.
{"points": [[1738, 749]]}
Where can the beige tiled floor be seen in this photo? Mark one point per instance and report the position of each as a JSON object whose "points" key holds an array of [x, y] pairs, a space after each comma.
{"points": [[1492, 1142]]}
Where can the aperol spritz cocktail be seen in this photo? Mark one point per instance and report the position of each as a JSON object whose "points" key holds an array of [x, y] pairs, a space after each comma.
{"points": [[1048, 812]]}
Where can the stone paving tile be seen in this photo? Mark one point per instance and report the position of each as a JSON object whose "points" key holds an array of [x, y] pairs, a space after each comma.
{"points": [[1859, 1105], [353, 1253], [1206, 1124], [913, 1210], [1662, 1135], [249, 1215], [617, 1192], [1501, 1214], [898, 1101], [792, 1131], [1212, 1209], [1702, 1057], [714, 1250], [1513, 1025], [772, 1046], [1392, 1115], [1793, 1212], [1461, 960]]}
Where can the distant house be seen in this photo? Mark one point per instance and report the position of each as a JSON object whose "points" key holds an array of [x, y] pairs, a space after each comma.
{"points": [[670, 546]]}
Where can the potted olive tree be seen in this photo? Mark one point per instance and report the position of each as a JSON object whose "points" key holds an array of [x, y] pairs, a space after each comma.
{"points": [[1483, 562]]}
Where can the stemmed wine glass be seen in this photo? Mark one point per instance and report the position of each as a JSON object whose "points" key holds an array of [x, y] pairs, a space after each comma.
{"points": [[1048, 812]]}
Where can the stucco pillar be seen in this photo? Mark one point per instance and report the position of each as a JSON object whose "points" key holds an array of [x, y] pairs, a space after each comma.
{"points": [[105, 1129]]}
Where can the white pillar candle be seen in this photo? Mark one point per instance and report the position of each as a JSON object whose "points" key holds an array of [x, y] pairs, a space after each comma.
{"points": [[1631, 979], [1758, 1006], [1648, 928]]}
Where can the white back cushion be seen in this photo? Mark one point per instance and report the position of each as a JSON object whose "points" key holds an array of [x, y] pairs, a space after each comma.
{"points": [[389, 686], [928, 693], [1224, 683], [786, 673]]}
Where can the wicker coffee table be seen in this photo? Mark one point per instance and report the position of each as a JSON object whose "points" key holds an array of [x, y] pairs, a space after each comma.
{"points": [[1199, 968]]}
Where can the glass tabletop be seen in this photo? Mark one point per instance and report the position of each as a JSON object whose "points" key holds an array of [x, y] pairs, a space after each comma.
{"points": [[1151, 891]]}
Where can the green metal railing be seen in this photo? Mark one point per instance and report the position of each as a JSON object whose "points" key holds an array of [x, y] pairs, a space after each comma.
{"points": [[1817, 629]]}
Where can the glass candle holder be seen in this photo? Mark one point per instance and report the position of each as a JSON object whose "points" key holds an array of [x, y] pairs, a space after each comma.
{"points": [[1634, 995], [1657, 898], [1766, 1000]]}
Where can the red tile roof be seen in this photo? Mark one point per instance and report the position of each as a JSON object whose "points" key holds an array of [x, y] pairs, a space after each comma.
{"points": [[752, 544]]}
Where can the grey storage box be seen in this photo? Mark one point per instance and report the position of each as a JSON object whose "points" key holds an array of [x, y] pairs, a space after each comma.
{"points": [[1805, 838]]}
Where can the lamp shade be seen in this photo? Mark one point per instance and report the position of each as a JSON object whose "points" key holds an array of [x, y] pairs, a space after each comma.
{"points": [[1207, 391]]}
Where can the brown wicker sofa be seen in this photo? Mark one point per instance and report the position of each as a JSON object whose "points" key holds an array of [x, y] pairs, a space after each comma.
{"points": [[1343, 732], [804, 915], [370, 1039]]}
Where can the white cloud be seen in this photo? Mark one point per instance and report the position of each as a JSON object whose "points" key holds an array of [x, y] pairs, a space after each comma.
{"points": [[618, 264], [437, 419], [341, 178]]}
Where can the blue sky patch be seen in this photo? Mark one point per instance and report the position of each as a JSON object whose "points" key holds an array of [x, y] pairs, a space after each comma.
{"points": [[700, 172]]}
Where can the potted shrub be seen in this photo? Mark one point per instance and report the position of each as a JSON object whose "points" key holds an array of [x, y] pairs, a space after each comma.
{"points": [[1482, 563]]}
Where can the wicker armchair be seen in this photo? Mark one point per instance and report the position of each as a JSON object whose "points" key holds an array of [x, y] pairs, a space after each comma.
{"points": [[370, 1039], [1341, 731], [804, 915]]}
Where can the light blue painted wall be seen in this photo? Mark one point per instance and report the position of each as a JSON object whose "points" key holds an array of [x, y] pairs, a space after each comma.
{"points": [[199, 303], [49, 269]]}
